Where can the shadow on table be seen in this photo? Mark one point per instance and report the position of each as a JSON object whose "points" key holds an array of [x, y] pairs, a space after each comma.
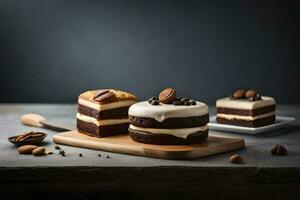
{"points": [[292, 129]]}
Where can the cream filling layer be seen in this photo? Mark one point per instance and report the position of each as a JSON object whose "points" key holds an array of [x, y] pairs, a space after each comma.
{"points": [[104, 122], [179, 132], [108, 106], [164, 111], [248, 118], [244, 103]]}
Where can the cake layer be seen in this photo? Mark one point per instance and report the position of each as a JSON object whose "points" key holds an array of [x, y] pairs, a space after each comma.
{"points": [[101, 131], [254, 112], [170, 123], [179, 132], [165, 111], [255, 123], [164, 139], [242, 117], [245, 104], [100, 107], [114, 113], [105, 122]]}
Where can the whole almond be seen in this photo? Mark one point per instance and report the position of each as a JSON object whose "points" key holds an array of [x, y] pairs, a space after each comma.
{"points": [[235, 159], [26, 149], [250, 93], [105, 96], [167, 96], [38, 151], [238, 94]]}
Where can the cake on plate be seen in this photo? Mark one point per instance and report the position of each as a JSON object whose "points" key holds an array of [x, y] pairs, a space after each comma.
{"points": [[104, 112], [169, 120], [246, 108]]}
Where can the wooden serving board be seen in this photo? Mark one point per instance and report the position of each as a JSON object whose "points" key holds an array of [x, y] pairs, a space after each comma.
{"points": [[123, 144]]}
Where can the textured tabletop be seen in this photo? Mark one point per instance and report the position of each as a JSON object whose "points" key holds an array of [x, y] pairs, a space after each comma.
{"points": [[259, 165], [256, 154]]}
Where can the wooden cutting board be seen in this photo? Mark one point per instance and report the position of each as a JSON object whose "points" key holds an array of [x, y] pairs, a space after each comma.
{"points": [[123, 144]]}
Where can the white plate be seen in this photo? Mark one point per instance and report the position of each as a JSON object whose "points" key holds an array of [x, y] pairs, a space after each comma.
{"points": [[279, 123]]}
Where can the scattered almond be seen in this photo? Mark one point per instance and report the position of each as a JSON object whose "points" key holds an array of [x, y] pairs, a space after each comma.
{"points": [[26, 149], [38, 151], [235, 159]]}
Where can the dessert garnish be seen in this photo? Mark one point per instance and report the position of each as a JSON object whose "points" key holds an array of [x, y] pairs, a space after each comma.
{"points": [[104, 95], [251, 95], [168, 96]]}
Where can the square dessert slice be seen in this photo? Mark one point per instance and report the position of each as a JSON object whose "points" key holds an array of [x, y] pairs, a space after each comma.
{"points": [[246, 110], [104, 113]]}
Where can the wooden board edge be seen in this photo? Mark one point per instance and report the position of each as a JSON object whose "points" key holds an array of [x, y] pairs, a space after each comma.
{"points": [[236, 144]]}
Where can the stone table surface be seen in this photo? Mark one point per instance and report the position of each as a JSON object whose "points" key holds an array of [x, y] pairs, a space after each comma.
{"points": [[259, 166]]}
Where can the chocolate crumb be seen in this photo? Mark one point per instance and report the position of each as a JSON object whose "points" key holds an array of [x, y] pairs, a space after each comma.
{"points": [[57, 147], [99, 155], [80, 155]]}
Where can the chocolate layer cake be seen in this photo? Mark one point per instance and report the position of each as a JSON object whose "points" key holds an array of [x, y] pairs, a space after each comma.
{"points": [[104, 113], [168, 124], [246, 111]]}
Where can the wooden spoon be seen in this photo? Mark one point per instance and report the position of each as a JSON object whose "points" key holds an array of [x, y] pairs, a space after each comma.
{"points": [[36, 120]]}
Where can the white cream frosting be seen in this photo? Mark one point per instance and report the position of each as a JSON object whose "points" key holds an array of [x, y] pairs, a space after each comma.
{"points": [[103, 122], [165, 111], [108, 106], [248, 118], [179, 132], [244, 103]]}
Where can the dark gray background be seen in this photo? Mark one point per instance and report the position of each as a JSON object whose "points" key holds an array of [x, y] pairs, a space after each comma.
{"points": [[53, 50]]}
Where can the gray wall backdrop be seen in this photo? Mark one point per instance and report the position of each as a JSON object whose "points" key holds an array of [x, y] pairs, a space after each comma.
{"points": [[50, 51]]}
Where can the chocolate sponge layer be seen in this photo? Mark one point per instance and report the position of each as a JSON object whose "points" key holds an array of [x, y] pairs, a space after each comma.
{"points": [[170, 123], [255, 123], [115, 113], [164, 139], [101, 131]]}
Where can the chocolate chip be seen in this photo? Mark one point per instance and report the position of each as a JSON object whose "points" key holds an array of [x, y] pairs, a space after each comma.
{"points": [[177, 103], [235, 159], [255, 98], [62, 152], [193, 102], [184, 99], [187, 103], [278, 150], [167, 96], [177, 99], [99, 155], [80, 155], [154, 102], [105, 96], [238, 94], [154, 98], [57, 147]]}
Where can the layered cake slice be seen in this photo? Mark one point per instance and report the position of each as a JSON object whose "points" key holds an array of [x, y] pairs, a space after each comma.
{"points": [[246, 108], [169, 120], [104, 113]]}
